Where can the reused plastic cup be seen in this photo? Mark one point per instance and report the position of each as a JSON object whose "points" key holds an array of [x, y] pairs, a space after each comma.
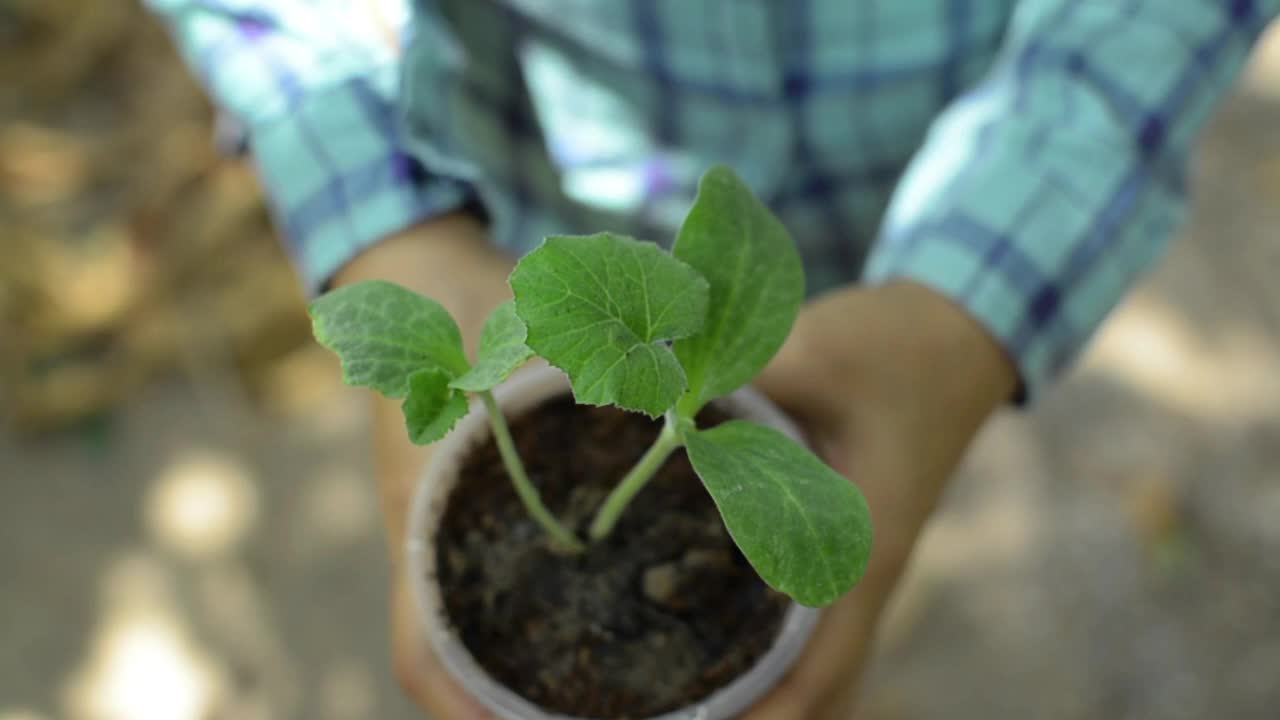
{"points": [[525, 390]]}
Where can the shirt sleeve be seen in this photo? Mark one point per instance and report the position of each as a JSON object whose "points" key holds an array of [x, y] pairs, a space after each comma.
{"points": [[314, 85], [1042, 195]]}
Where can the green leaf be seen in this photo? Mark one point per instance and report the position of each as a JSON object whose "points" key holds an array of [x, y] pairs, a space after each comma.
{"points": [[502, 351], [804, 528], [432, 407], [383, 333], [757, 286], [602, 308]]}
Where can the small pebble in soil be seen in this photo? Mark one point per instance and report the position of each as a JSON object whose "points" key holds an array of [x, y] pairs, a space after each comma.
{"points": [[661, 582]]}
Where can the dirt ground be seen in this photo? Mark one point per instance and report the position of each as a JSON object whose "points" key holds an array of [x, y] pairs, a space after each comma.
{"points": [[204, 553]]}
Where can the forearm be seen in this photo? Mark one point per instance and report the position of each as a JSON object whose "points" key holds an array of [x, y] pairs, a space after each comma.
{"points": [[967, 366], [935, 344], [961, 371]]}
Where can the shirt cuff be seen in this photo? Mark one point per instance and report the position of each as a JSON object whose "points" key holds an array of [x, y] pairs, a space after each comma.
{"points": [[339, 180], [1041, 289]]}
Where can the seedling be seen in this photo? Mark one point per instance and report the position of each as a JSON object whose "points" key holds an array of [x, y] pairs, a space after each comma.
{"points": [[648, 331]]}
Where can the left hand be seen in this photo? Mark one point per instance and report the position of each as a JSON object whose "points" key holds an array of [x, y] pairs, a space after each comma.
{"points": [[890, 384], [449, 259]]}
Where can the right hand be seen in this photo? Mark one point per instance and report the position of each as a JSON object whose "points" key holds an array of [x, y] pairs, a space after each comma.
{"points": [[450, 260], [861, 373]]}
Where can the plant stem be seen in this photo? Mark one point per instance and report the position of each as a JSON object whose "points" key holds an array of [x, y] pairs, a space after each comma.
{"points": [[524, 488], [607, 517]]}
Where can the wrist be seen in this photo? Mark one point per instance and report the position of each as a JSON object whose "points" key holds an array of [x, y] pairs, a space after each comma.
{"points": [[947, 349], [899, 347], [440, 250], [891, 382]]}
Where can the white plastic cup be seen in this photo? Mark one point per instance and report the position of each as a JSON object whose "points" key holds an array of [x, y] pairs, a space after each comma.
{"points": [[525, 390]]}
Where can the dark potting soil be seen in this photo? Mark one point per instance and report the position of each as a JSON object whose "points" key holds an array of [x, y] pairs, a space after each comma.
{"points": [[658, 616]]}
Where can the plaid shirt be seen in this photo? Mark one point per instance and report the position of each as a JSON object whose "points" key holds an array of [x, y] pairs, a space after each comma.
{"points": [[1024, 157]]}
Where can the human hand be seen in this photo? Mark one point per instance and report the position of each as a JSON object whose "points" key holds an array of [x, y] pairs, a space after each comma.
{"points": [[450, 260], [890, 385]]}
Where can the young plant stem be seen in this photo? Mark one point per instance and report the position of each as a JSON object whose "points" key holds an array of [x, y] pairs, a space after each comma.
{"points": [[524, 488], [644, 470]]}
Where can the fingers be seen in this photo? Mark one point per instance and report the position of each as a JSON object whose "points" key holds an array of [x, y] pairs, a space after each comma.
{"points": [[823, 685], [824, 682], [419, 672], [416, 668]]}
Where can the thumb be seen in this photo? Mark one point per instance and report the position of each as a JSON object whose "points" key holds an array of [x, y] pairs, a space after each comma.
{"points": [[824, 682], [421, 674], [781, 707]]}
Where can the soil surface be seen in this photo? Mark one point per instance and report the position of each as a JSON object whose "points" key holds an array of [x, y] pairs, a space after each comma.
{"points": [[655, 618]]}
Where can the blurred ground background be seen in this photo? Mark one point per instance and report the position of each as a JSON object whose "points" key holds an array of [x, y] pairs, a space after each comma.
{"points": [[191, 533]]}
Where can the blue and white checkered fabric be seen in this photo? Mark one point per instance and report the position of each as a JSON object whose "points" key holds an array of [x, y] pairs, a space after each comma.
{"points": [[1025, 157]]}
